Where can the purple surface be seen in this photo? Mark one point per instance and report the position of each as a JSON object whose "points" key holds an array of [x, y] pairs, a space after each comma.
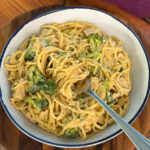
{"points": [[139, 8]]}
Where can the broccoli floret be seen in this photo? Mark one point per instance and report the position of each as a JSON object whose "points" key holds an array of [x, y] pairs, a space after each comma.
{"points": [[95, 42], [48, 86], [46, 42], [83, 99], [113, 101], [93, 71], [39, 79], [94, 55], [67, 119], [40, 104], [106, 85], [71, 132], [30, 100], [52, 87], [32, 88], [83, 55], [109, 94], [29, 53], [35, 76]]}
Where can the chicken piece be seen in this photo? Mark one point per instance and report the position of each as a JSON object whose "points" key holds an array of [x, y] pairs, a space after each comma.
{"points": [[20, 92], [88, 127], [123, 82], [116, 95], [44, 115], [121, 55], [120, 84], [88, 122]]}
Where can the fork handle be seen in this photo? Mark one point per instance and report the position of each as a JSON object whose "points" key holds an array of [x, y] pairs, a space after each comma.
{"points": [[141, 142]]}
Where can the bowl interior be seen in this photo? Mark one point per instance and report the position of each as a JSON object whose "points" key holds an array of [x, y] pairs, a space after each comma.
{"points": [[108, 25]]}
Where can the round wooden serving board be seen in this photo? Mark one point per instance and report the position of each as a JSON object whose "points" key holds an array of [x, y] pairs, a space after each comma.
{"points": [[13, 139]]}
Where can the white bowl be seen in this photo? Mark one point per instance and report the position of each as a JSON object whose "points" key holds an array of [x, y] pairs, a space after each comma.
{"points": [[108, 24]]}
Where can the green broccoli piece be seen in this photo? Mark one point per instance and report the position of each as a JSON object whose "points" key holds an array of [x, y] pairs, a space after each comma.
{"points": [[82, 55], [108, 97], [40, 104], [81, 119], [67, 119], [52, 87], [106, 85], [35, 76], [71, 132], [48, 86], [94, 55], [30, 73], [109, 94], [32, 88], [30, 100], [46, 42], [83, 99], [93, 72], [95, 42], [39, 79], [113, 101], [29, 53]]}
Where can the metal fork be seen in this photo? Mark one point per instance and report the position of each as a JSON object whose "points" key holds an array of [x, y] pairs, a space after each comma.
{"points": [[141, 142]]}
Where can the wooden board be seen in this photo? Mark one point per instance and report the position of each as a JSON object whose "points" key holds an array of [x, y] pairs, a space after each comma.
{"points": [[10, 137]]}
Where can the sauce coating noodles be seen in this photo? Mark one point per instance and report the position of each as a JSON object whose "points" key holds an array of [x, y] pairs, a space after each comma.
{"points": [[45, 68]]}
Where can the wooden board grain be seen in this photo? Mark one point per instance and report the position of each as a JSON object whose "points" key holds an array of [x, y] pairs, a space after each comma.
{"points": [[13, 8], [10, 137]]}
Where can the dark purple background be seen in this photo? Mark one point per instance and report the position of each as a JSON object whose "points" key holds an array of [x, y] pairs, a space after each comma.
{"points": [[139, 8]]}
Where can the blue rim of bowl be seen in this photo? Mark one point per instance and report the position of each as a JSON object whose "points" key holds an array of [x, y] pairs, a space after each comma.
{"points": [[76, 145]]}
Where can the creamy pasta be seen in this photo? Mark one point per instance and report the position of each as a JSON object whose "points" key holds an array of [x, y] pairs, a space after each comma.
{"points": [[45, 68]]}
